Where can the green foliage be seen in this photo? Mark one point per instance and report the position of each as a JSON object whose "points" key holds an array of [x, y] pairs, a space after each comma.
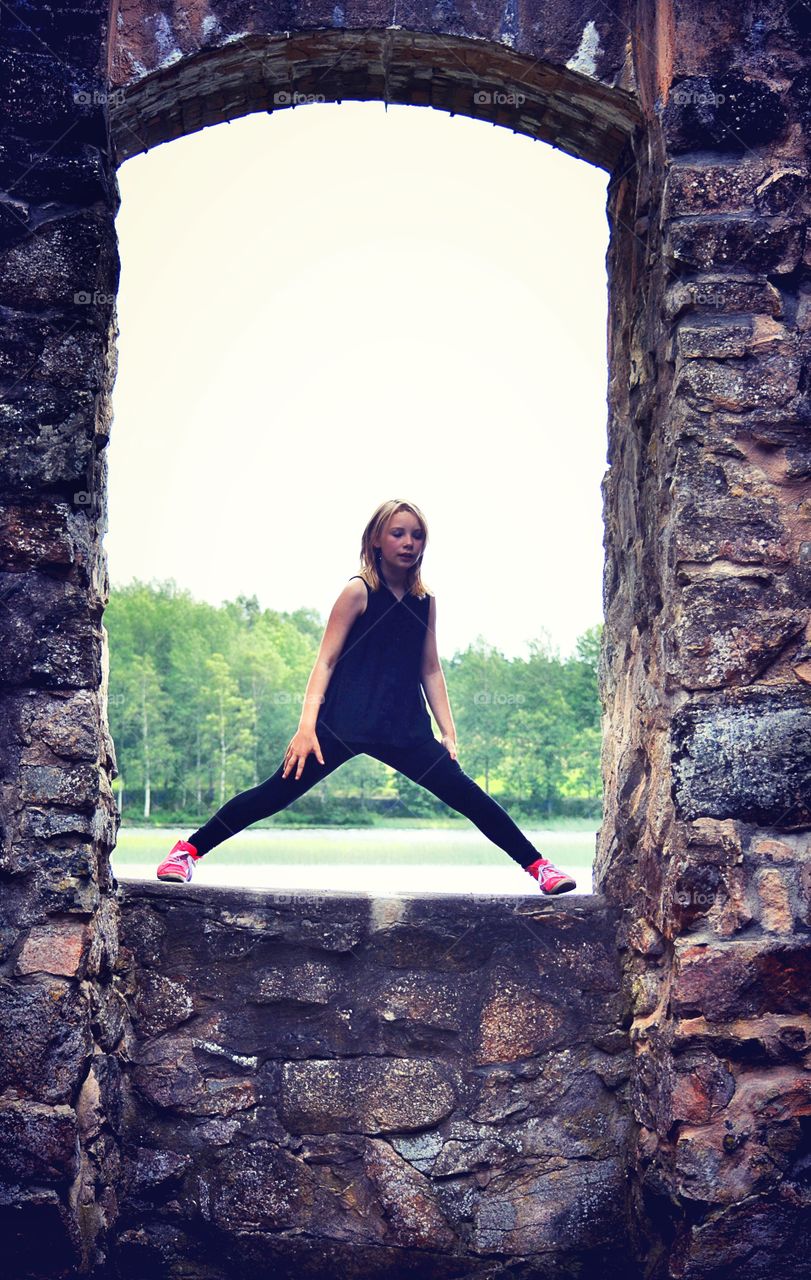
{"points": [[204, 700]]}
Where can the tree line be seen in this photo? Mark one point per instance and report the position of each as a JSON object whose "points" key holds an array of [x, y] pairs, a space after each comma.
{"points": [[204, 699]]}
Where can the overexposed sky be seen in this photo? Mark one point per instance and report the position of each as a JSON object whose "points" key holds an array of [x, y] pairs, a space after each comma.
{"points": [[338, 304]]}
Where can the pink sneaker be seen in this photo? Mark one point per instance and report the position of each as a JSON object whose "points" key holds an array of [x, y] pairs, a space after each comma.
{"points": [[180, 862], [549, 878]]}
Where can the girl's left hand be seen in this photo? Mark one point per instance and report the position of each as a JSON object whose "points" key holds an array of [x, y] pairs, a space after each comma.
{"points": [[449, 742]]}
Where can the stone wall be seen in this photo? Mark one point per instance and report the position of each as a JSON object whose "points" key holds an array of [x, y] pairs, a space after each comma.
{"points": [[61, 1018], [701, 115], [337, 1085], [705, 670]]}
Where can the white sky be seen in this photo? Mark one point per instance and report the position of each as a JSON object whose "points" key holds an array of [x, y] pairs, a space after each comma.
{"points": [[338, 304]]}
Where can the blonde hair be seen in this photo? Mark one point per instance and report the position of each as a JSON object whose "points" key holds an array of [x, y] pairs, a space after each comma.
{"points": [[374, 532]]}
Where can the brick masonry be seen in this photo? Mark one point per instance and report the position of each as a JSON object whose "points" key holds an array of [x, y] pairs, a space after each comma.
{"points": [[701, 116]]}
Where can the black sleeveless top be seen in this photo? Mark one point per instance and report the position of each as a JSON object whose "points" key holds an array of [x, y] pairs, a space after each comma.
{"points": [[374, 692]]}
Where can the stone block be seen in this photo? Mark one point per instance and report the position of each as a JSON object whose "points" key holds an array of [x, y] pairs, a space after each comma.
{"points": [[57, 947], [40, 89], [725, 112], [518, 1022], [48, 635], [760, 383], [715, 294], [47, 435], [60, 264], [66, 722], [41, 533], [64, 170], [744, 755], [58, 351], [363, 1095], [309, 982], [741, 979], [266, 1189], [38, 1143], [749, 183], [167, 1074], [578, 1208], [63, 871], [160, 1004], [755, 1143], [729, 629], [414, 1218], [757, 245], [703, 1087], [76, 785], [45, 1033], [776, 915]]}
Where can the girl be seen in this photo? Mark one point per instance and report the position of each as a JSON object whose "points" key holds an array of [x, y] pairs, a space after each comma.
{"points": [[364, 696]]}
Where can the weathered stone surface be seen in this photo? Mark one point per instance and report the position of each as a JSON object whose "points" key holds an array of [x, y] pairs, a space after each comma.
{"points": [[58, 265], [757, 246], [703, 1088], [518, 1022], [47, 435], [408, 1200], [745, 756], [66, 723], [38, 1142], [45, 1038], [383, 1149], [265, 1188], [59, 947], [725, 112], [308, 983], [741, 979], [776, 912], [716, 294], [731, 627], [166, 1074], [520, 1214], [749, 182], [363, 1095], [46, 634], [160, 1004]]}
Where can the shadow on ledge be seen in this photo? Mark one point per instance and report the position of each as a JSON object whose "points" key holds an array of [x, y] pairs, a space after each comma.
{"points": [[332, 1084]]}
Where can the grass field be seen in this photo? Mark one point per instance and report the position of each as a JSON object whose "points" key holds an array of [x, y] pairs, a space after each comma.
{"points": [[370, 860]]}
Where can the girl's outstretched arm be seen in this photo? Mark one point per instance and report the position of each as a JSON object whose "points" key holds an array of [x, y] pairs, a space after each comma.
{"points": [[346, 609], [432, 678]]}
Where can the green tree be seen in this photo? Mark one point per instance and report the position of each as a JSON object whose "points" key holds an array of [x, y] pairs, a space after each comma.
{"points": [[228, 727]]}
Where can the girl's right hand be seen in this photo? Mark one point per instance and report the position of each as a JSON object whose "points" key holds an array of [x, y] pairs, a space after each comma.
{"points": [[301, 744]]}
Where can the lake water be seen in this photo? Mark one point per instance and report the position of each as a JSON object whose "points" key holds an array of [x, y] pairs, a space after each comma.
{"points": [[363, 860]]}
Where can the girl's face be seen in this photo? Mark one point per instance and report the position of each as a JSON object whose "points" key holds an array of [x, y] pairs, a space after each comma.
{"points": [[402, 541]]}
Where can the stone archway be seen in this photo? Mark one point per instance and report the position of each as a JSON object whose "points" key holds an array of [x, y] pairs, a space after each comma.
{"points": [[701, 118]]}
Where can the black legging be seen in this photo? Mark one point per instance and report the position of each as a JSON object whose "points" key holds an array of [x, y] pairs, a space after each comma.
{"points": [[429, 763]]}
